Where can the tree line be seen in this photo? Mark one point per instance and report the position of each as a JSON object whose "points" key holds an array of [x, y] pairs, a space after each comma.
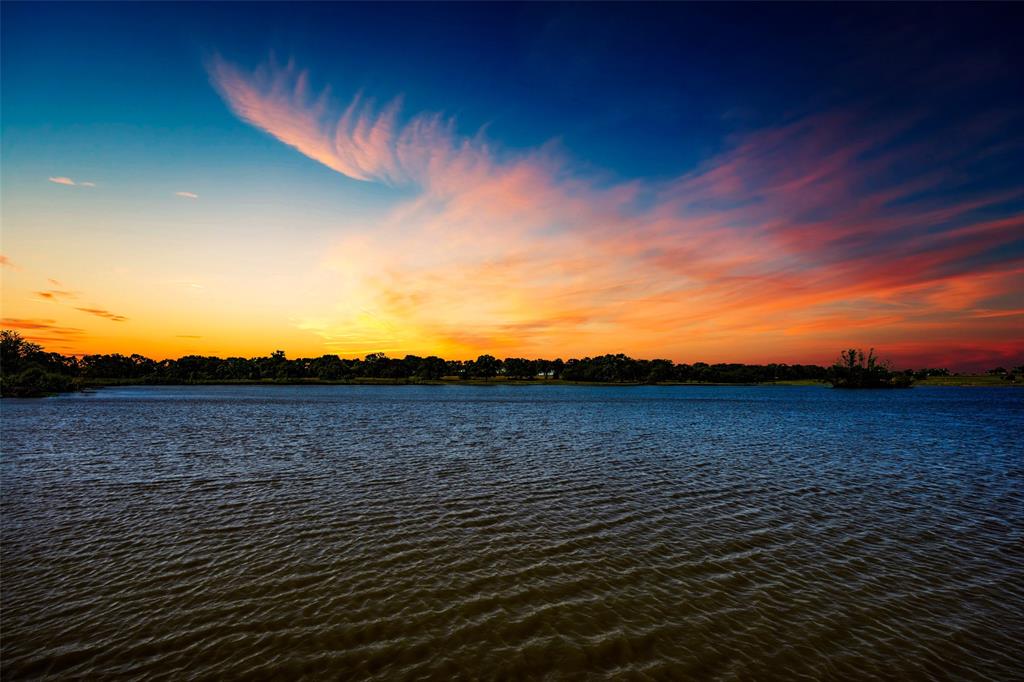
{"points": [[29, 370]]}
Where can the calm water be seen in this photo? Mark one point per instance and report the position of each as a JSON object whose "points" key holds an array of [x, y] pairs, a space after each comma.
{"points": [[437, 532]]}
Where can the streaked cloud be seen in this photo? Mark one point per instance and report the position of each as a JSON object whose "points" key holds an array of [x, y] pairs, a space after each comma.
{"points": [[7, 262], [56, 294], [45, 331], [17, 323], [100, 312], [186, 195]]}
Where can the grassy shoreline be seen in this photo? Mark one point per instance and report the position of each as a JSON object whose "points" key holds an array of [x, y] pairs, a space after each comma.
{"points": [[987, 380], [89, 385]]}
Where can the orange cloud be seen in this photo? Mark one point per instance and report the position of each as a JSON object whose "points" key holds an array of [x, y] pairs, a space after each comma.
{"points": [[54, 294], [45, 331], [16, 323]]}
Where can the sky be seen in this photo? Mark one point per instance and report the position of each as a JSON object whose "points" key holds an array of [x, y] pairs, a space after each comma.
{"points": [[718, 183]]}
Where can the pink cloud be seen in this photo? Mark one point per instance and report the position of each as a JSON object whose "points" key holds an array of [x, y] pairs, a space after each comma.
{"points": [[797, 239], [187, 195]]}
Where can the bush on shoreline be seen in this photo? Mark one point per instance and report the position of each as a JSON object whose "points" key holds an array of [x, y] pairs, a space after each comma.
{"points": [[853, 369]]}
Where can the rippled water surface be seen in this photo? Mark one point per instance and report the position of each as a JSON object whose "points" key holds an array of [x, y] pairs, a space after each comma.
{"points": [[504, 532]]}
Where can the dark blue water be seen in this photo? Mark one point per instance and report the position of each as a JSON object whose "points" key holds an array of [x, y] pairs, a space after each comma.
{"points": [[350, 532]]}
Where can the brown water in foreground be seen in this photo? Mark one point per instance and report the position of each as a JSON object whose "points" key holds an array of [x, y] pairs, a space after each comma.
{"points": [[440, 532]]}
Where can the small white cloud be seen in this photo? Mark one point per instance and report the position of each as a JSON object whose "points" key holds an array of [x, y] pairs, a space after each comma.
{"points": [[186, 283], [61, 180], [187, 195]]}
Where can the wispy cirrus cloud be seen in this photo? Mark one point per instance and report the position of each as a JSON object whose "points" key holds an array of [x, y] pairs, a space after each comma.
{"points": [[186, 195], [833, 228], [363, 142]]}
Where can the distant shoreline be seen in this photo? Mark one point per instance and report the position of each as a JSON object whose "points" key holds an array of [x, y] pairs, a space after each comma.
{"points": [[28, 370], [967, 380]]}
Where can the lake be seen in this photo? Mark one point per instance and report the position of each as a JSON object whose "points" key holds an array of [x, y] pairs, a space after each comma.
{"points": [[394, 532]]}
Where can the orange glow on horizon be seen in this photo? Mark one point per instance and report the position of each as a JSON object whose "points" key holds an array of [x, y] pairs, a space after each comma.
{"points": [[745, 259]]}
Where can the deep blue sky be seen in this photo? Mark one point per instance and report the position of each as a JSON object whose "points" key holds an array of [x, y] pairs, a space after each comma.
{"points": [[638, 89]]}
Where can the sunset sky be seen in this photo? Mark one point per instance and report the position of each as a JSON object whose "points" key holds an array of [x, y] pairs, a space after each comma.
{"points": [[739, 183]]}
